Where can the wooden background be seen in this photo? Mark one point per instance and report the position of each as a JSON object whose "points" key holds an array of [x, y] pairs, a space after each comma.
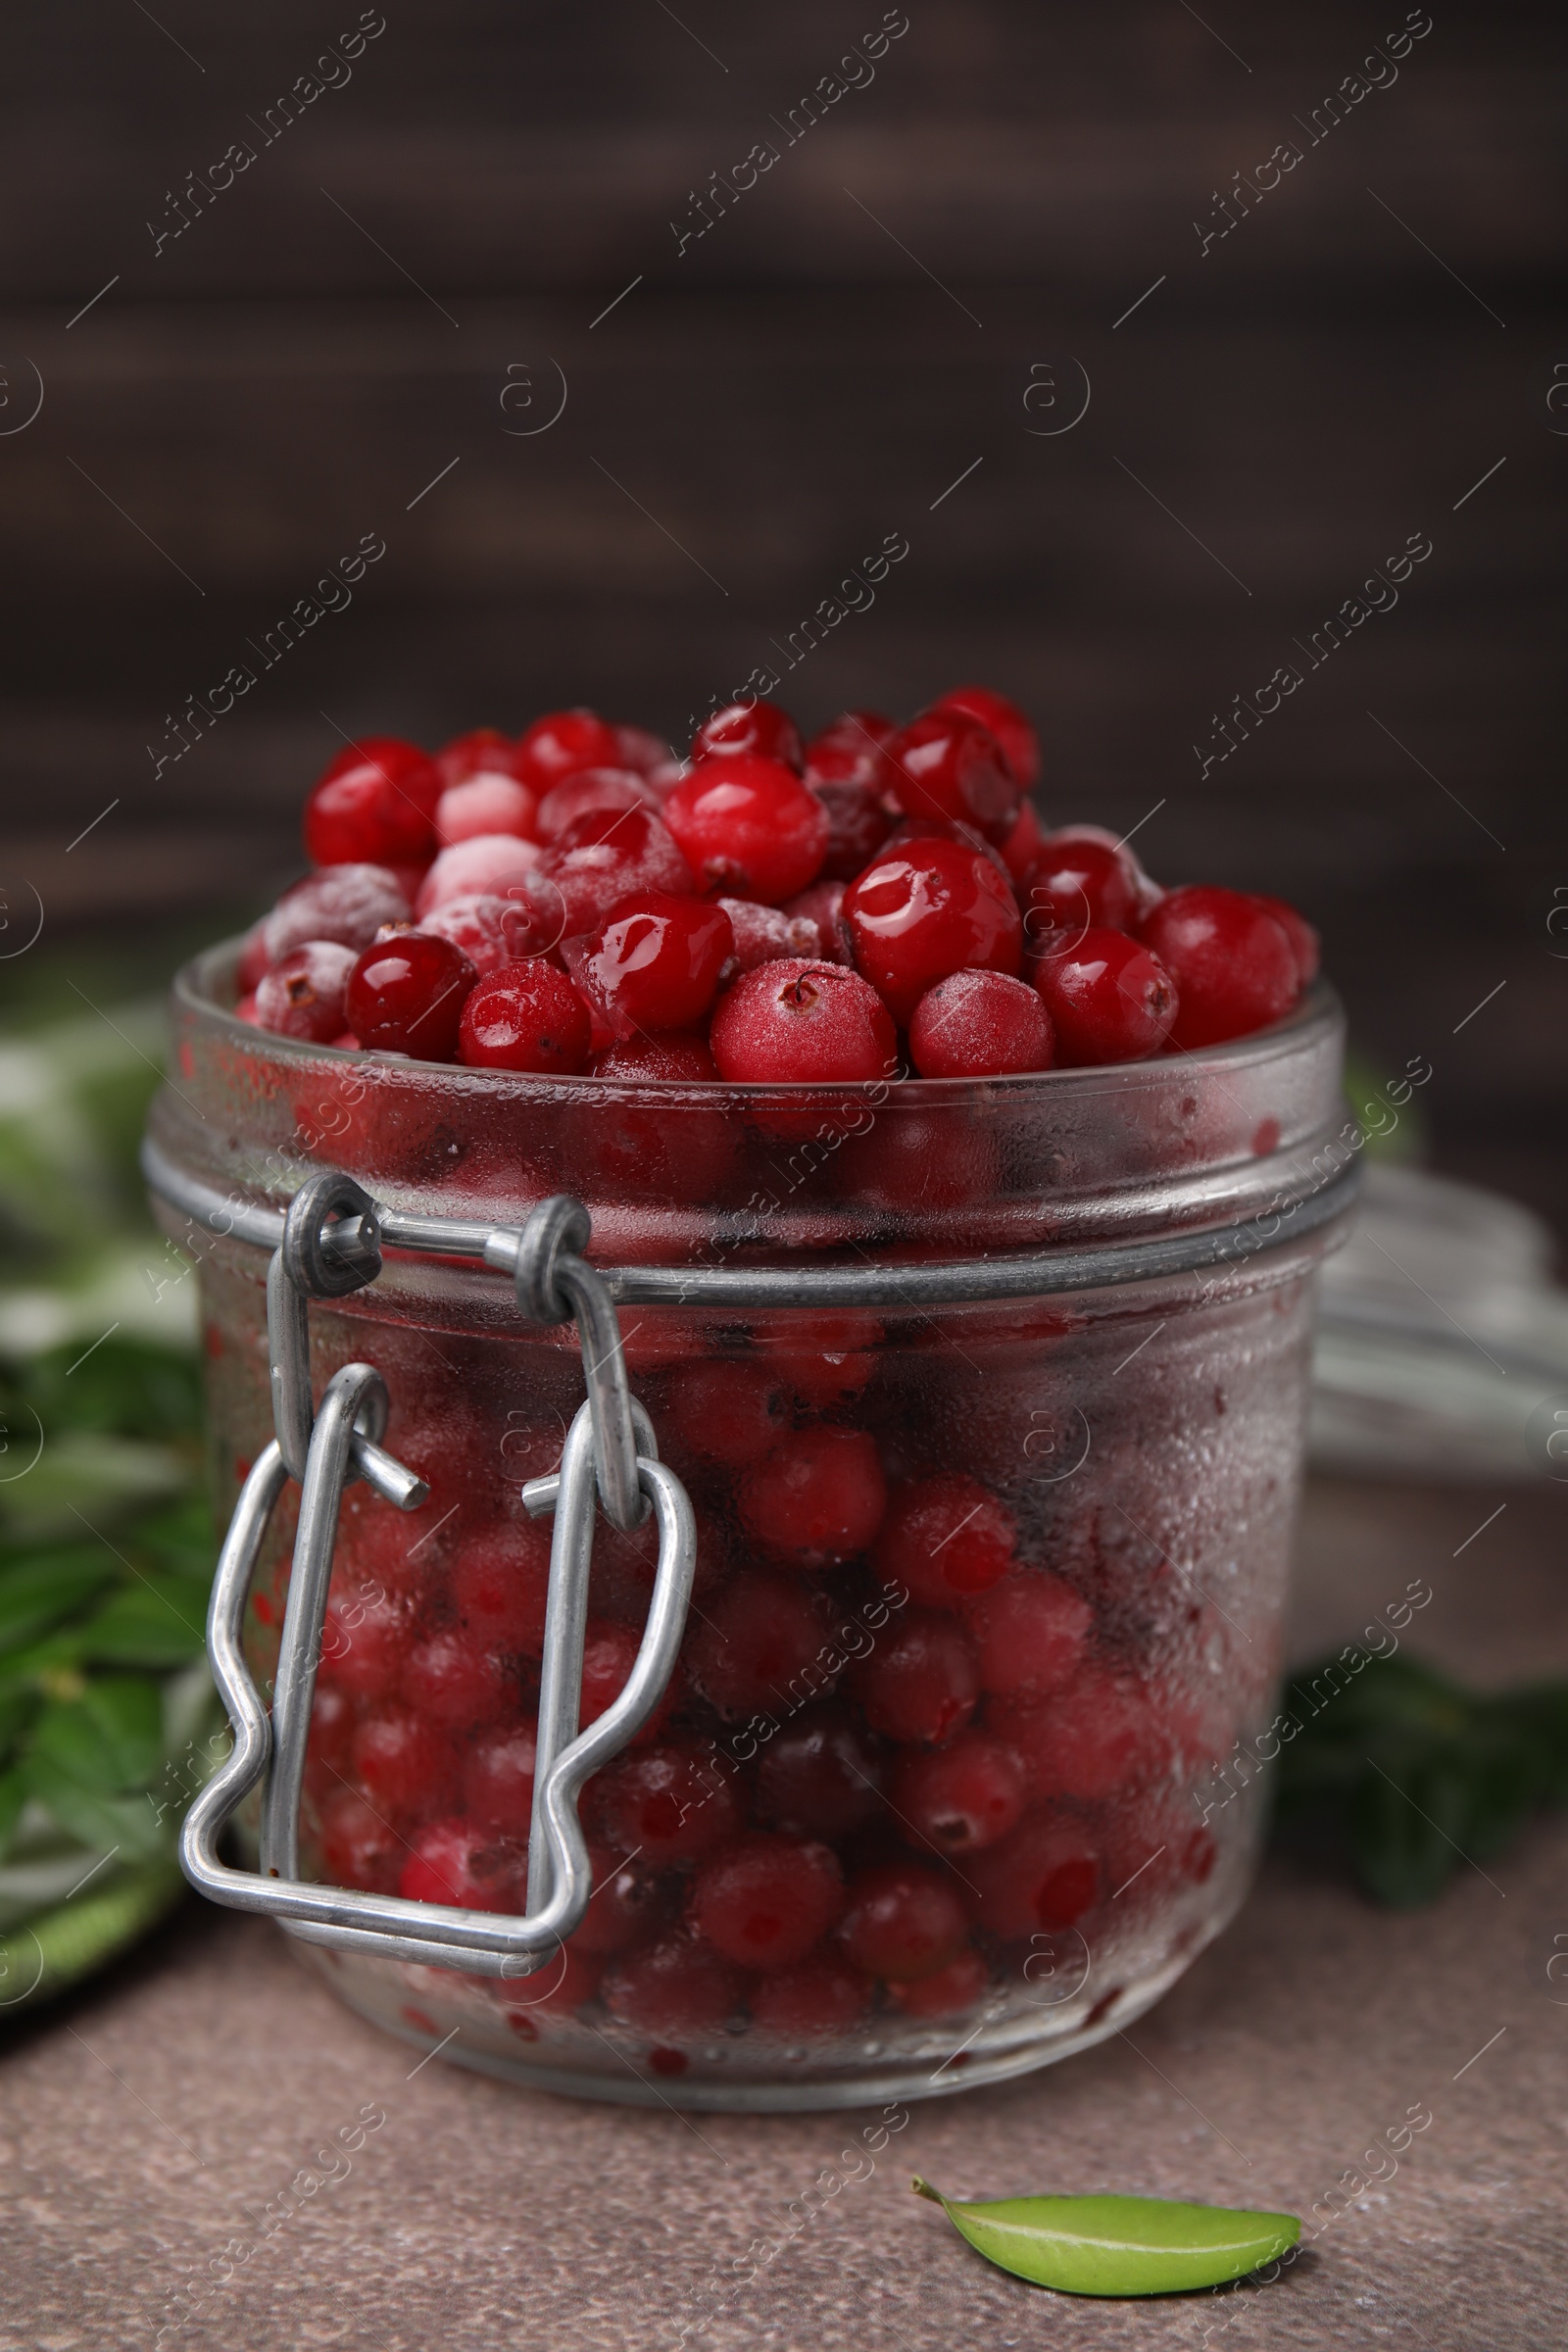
{"points": [[333, 331]]}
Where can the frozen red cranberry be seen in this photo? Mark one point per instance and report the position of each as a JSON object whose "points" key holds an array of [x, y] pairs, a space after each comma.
{"points": [[667, 1805], [945, 764], [904, 1921], [818, 1497], [856, 726], [498, 1580], [766, 1902], [596, 790], [498, 1781], [608, 1656], [758, 726], [374, 806], [946, 1539], [655, 963], [725, 1412], [749, 827], [562, 741], [629, 1902], [822, 1996], [1104, 1732], [642, 752], [1232, 962], [1042, 1879], [347, 903], [527, 1017], [921, 1682], [858, 824], [406, 995], [1030, 1634], [952, 1989], [1109, 998], [452, 1679], [851, 749], [404, 1763], [962, 1796], [930, 909], [1304, 939], [823, 907], [940, 828], [332, 1720], [1022, 845], [765, 935], [605, 854], [1080, 882], [795, 1021], [480, 750], [1004, 720], [754, 1642], [674, 1055], [486, 865], [364, 1637], [980, 1025], [303, 995], [676, 1987], [458, 1863], [493, 931], [358, 1845], [820, 1774], [485, 804]]}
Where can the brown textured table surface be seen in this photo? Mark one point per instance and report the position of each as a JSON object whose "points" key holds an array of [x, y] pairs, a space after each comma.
{"points": [[144, 2122]]}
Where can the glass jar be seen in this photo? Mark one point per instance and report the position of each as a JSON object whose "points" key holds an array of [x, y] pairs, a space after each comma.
{"points": [[958, 1767]]}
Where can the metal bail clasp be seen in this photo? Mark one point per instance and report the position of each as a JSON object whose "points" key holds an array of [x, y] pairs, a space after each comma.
{"points": [[341, 1442]]}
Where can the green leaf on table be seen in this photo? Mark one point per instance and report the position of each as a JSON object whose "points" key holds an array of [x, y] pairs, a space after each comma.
{"points": [[1119, 2245], [161, 1621], [42, 1590]]}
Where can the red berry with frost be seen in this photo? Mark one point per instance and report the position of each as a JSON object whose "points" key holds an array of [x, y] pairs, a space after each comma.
{"points": [[921, 1682], [759, 726], [642, 752], [608, 1656], [1042, 1879], [795, 1021], [455, 1680], [748, 826], [665, 1804], [655, 963], [1004, 720], [358, 1845], [1030, 1634], [930, 909], [603, 855], [765, 935], [858, 823], [1103, 1733], [818, 1497], [630, 1901], [725, 1412], [1078, 882], [403, 1762], [596, 790], [457, 1863], [562, 743], [820, 1774], [527, 1017], [822, 1996], [851, 749], [303, 995], [766, 1902], [760, 1633], [1304, 939], [347, 903], [364, 1637], [1233, 964], [1109, 998], [374, 806], [492, 931], [677, 1987], [904, 1921], [498, 1580], [961, 1797], [480, 750], [945, 764], [981, 1025], [485, 865], [673, 1056], [946, 1539], [823, 907], [497, 1779], [952, 1989], [406, 995], [486, 803]]}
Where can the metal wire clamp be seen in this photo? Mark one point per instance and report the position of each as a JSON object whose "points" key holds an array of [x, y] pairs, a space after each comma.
{"points": [[610, 1446]]}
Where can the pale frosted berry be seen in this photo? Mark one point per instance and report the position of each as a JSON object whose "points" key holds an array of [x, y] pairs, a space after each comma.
{"points": [[486, 803], [302, 996], [485, 866]]}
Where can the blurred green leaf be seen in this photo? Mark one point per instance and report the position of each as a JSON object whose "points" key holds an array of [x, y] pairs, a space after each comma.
{"points": [[108, 1740], [160, 1621], [39, 1592], [124, 1386]]}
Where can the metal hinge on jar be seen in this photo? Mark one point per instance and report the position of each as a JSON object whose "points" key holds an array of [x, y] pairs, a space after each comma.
{"points": [[332, 1246]]}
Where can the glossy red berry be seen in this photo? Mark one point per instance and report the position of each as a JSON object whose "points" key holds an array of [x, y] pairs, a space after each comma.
{"points": [[303, 995], [498, 1779], [1005, 721], [766, 1902], [374, 806], [562, 741], [748, 826], [851, 752], [822, 1996], [945, 764], [1042, 1879], [498, 1580], [494, 866], [458, 1863], [904, 1921], [452, 1679], [818, 1497], [1078, 882], [667, 1805], [480, 751], [946, 1538], [929, 908], [1233, 964], [677, 1987], [406, 995], [527, 1017], [358, 1845], [1030, 1634], [347, 904], [754, 1644], [630, 1901], [492, 931], [761, 727], [605, 854], [821, 1773], [1022, 845], [952, 1989], [596, 790], [921, 1682], [1109, 998], [486, 803], [1304, 939], [674, 1055], [795, 1021], [655, 963], [981, 1025], [963, 1796]]}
